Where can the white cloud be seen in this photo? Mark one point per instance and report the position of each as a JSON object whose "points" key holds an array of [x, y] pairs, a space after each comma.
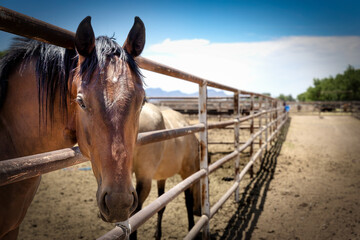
{"points": [[286, 65]]}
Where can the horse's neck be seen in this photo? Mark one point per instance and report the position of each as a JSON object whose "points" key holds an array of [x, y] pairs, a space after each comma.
{"points": [[21, 133]]}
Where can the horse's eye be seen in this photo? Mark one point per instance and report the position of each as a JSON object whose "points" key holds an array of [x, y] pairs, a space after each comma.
{"points": [[80, 101]]}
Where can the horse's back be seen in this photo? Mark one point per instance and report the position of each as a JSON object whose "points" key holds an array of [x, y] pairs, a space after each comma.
{"points": [[150, 118], [173, 119]]}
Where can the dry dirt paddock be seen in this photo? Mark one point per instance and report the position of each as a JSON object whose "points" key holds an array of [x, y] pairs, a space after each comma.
{"points": [[306, 187]]}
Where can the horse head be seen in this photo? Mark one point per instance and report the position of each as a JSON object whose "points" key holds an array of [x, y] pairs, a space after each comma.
{"points": [[106, 98]]}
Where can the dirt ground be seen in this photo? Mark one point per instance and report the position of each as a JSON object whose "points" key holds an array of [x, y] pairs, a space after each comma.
{"points": [[306, 187]]}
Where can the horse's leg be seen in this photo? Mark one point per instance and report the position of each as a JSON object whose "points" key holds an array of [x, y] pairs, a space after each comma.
{"points": [[143, 187], [161, 190], [189, 200], [15, 199]]}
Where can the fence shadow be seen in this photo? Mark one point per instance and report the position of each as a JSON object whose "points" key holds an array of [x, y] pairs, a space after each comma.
{"points": [[251, 204]]}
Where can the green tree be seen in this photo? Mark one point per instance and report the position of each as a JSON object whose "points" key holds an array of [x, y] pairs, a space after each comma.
{"points": [[302, 97], [281, 97], [286, 98], [343, 87]]}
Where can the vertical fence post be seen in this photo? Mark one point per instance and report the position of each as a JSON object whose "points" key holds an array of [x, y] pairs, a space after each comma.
{"points": [[266, 123], [204, 182], [273, 114], [277, 119], [260, 126], [219, 111], [270, 119], [251, 170], [237, 140]]}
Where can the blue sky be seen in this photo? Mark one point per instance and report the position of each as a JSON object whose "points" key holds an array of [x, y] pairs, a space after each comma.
{"points": [[311, 30]]}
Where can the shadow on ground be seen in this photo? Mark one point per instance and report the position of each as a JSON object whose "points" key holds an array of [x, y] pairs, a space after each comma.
{"points": [[243, 222]]}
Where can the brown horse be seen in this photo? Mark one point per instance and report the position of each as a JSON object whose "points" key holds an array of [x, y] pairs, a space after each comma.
{"points": [[162, 160], [51, 98]]}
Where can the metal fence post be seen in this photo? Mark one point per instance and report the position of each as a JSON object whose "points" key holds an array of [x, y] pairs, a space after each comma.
{"points": [[273, 114], [260, 126], [251, 171], [204, 182], [237, 140], [266, 123], [277, 122]]}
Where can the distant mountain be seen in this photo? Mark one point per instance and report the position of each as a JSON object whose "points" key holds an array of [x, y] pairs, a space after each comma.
{"points": [[158, 92]]}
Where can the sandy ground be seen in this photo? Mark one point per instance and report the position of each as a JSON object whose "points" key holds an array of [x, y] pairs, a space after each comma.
{"points": [[306, 187]]}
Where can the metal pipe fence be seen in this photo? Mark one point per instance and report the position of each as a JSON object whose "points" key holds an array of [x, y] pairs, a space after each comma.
{"points": [[18, 169], [325, 107]]}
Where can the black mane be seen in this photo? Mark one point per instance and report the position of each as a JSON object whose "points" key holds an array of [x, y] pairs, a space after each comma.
{"points": [[54, 66]]}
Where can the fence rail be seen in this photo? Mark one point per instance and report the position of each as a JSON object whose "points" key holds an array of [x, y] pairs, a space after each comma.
{"points": [[21, 168], [223, 106], [318, 107]]}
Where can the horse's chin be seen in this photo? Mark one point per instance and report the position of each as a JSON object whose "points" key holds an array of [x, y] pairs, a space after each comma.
{"points": [[110, 220]]}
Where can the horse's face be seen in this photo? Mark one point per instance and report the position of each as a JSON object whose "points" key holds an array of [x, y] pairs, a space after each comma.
{"points": [[107, 104]]}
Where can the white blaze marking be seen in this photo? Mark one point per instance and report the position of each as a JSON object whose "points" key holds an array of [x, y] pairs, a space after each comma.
{"points": [[115, 79]]}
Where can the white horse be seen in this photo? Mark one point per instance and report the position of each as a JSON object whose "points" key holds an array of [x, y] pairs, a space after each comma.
{"points": [[164, 159]]}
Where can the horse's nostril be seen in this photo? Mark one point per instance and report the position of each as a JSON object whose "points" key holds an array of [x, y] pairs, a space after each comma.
{"points": [[104, 204], [135, 202]]}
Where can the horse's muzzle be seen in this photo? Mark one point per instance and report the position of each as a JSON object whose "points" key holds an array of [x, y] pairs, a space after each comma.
{"points": [[117, 206]]}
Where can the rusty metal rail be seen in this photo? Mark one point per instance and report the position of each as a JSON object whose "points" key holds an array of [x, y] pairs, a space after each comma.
{"points": [[18, 169], [26, 26], [161, 135], [21, 168]]}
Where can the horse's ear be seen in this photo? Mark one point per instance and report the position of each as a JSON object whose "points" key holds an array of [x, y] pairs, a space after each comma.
{"points": [[85, 38], [135, 41]]}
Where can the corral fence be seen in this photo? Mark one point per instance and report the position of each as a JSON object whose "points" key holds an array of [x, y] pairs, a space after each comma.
{"points": [[215, 105], [326, 107], [224, 106], [271, 117]]}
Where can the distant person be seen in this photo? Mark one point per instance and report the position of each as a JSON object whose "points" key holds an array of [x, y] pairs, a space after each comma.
{"points": [[287, 107]]}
